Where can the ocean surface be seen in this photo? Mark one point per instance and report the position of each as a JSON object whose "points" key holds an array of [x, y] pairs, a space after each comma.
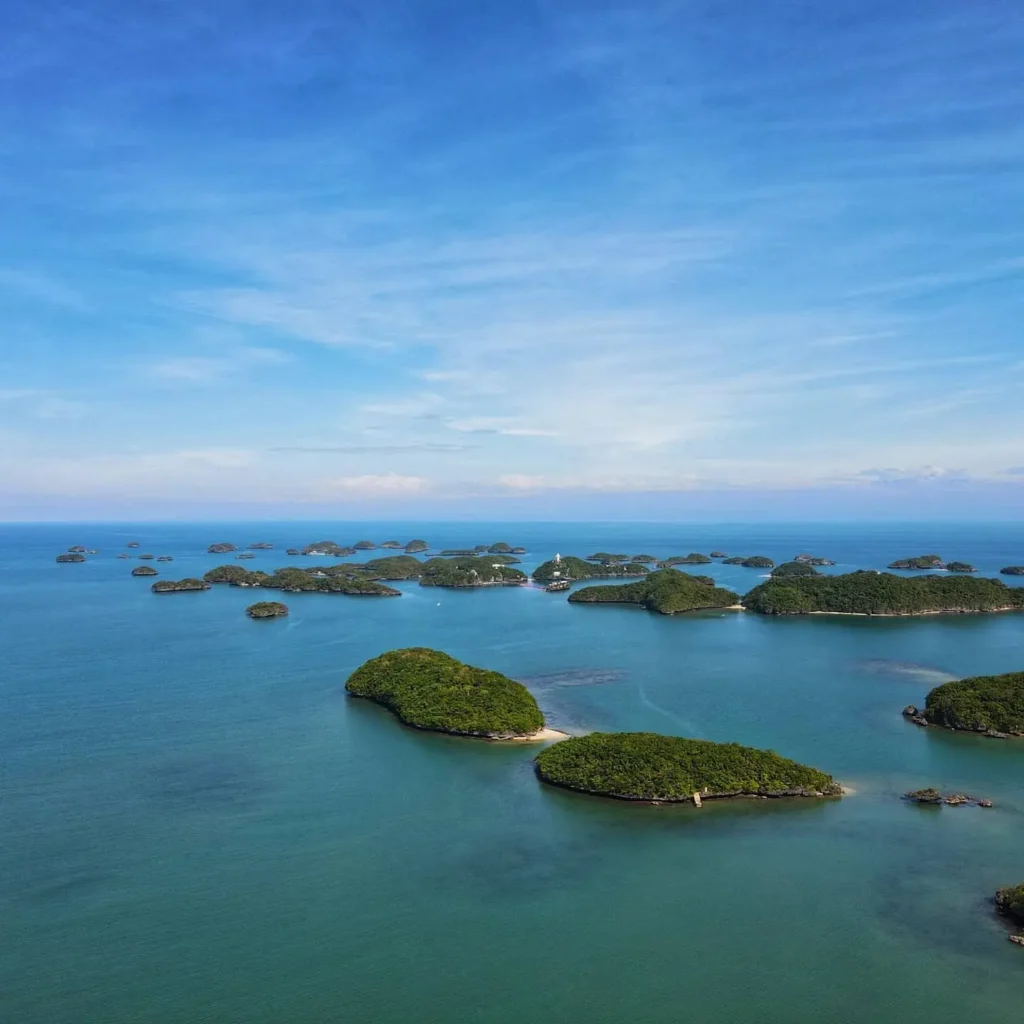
{"points": [[197, 825]]}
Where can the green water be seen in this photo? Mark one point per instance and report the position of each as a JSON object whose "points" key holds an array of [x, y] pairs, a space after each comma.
{"points": [[199, 826]]}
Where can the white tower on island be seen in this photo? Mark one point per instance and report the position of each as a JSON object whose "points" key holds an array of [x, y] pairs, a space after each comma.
{"points": [[558, 559]]}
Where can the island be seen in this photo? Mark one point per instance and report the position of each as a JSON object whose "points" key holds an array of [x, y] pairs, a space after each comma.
{"points": [[919, 562], [328, 547], [124, 554], [147, 558], [263, 546], [500, 548], [292, 552], [666, 591], [179, 586], [266, 610], [132, 544], [572, 568], [364, 545], [1010, 902], [960, 567], [392, 544], [428, 689], [751, 562], [391, 567], [243, 555], [1012, 570], [295, 581], [71, 556], [144, 570], [230, 574], [880, 593], [518, 551], [77, 549], [165, 558], [607, 556], [671, 769], [220, 549], [812, 560], [458, 553], [415, 547], [992, 705], [794, 568], [693, 558], [644, 559], [469, 571]]}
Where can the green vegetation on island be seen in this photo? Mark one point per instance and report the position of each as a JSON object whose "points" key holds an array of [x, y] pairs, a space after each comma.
{"points": [[919, 562], [500, 548], [71, 556], [572, 568], [651, 767], [364, 545], [1013, 570], [179, 586], [644, 559], [77, 549], [266, 610], [215, 549], [988, 704], [392, 545], [794, 569], [415, 547], [750, 562], [146, 558], [132, 544], [431, 690], [879, 593], [458, 553], [230, 574], [144, 570], [328, 547], [607, 556], [1010, 902], [719, 554], [693, 558], [295, 581], [469, 571], [263, 546], [667, 591], [165, 558], [960, 567], [813, 560]]}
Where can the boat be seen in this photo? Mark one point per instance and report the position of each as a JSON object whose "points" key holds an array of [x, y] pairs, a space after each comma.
{"points": [[556, 586]]}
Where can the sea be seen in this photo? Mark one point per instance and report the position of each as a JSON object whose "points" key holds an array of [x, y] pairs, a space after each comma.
{"points": [[197, 825]]}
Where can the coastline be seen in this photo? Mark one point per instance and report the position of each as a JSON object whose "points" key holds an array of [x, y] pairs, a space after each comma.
{"points": [[910, 615], [544, 735]]}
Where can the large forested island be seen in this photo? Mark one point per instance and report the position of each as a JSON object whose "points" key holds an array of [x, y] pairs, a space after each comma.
{"points": [[573, 568], [987, 704], [470, 571], [648, 766], [431, 690], [750, 561], [179, 586], [667, 591], [879, 593]]}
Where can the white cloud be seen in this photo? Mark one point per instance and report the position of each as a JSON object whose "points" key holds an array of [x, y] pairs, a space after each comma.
{"points": [[370, 485]]}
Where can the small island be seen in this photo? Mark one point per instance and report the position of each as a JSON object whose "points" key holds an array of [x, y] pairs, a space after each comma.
{"points": [[77, 549], [607, 556], [469, 571], [794, 568], [395, 545], [960, 567], [572, 568], [415, 547], [179, 586], [293, 552], [500, 548], [992, 705], [880, 593], [719, 554], [71, 556], [1010, 902], [650, 767], [428, 689], [750, 562], [365, 545], [693, 558], [144, 570], [666, 591], [266, 610], [132, 544], [263, 546], [1012, 570], [243, 555], [812, 560], [327, 547], [919, 562], [220, 549], [147, 558], [165, 558], [643, 559]]}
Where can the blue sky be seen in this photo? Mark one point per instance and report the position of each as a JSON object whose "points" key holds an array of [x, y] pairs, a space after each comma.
{"points": [[532, 259]]}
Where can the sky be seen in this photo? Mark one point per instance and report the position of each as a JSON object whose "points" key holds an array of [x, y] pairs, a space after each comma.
{"points": [[532, 259]]}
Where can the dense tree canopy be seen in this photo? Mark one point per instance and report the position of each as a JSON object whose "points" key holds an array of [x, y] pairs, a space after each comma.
{"points": [[794, 569], [875, 593], [431, 690], [179, 586], [648, 766], [979, 704], [572, 568], [667, 591], [469, 571], [1010, 901], [266, 610]]}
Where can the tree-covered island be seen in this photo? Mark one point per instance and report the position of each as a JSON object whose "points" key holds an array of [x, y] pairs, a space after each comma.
{"points": [[415, 547], [572, 568], [328, 547], [993, 705], [1012, 570], [666, 591], [960, 567], [470, 571], [649, 767], [144, 570], [1010, 902], [216, 549], [71, 556], [267, 610], [750, 561], [918, 562], [179, 586], [879, 593], [428, 689], [794, 568], [693, 558]]}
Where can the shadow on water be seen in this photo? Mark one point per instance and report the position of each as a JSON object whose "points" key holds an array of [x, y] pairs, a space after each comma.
{"points": [[206, 781]]}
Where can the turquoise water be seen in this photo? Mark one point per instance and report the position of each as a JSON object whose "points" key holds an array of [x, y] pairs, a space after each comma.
{"points": [[198, 826]]}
